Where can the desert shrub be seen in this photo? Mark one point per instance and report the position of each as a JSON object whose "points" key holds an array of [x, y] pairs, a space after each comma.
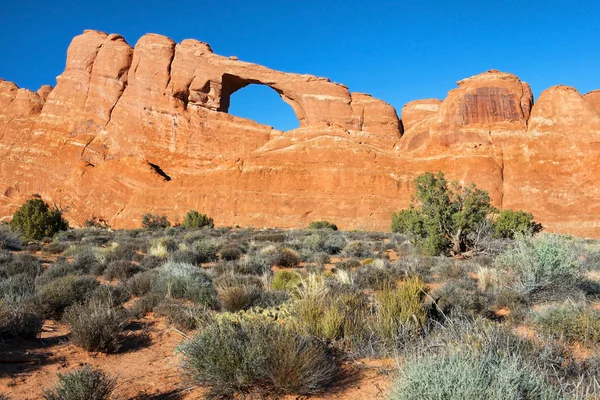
{"points": [[25, 264], [60, 293], [239, 297], [194, 220], [186, 256], [206, 251], [16, 287], [230, 253], [543, 263], [252, 266], [146, 304], [111, 294], [334, 244], [59, 269], [184, 316], [321, 258], [121, 270], [96, 223], [270, 237], [441, 217], [509, 223], [151, 262], [150, 221], [185, 281], [370, 277], [322, 225], [400, 306], [85, 383], [286, 258], [140, 283], [19, 320], [466, 377], [574, 323], [87, 261], [488, 278], [240, 356], [96, 325], [462, 297], [348, 264], [55, 248], [357, 249], [9, 238], [285, 280]]}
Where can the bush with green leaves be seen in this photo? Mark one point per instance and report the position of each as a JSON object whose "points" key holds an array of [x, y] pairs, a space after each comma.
{"points": [[509, 223], [285, 280], [36, 220], [96, 325], [247, 355], [194, 220], [543, 263], [443, 216], [85, 383], [322, 225], [151, 221], [184, 281]]}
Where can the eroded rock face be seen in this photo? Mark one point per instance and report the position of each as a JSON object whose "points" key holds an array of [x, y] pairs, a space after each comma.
{"points": [[145, 129]]}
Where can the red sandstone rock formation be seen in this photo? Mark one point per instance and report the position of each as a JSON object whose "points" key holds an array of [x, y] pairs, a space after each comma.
{"points": [[133, 130]]}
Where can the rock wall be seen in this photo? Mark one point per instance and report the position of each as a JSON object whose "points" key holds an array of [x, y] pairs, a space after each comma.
{"points": [[133, 130]]}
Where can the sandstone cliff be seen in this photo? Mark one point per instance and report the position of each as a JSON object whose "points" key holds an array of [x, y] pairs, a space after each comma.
{"points": [[146, 129]]}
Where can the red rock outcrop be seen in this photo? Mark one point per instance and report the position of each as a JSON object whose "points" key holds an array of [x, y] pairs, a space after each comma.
{"points": [[133, 130]]}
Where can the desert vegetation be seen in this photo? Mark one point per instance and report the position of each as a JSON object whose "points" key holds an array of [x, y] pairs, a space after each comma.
{"points": [[471, 311]]}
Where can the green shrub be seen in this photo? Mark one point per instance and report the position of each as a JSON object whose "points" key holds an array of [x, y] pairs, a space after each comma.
{"points": [[442, 216], [400, 306], [509, 223], [85, 383], [258, 355], [60, 293], [285, 280], [194, 220], [96, 325], [541, 263], [150, 221], [464, 377], [571, 322], [184, 281], [35, 220], [322, 225]]}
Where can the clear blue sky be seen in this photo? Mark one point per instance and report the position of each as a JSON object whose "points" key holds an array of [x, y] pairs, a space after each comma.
{"points": [[395, 50]]}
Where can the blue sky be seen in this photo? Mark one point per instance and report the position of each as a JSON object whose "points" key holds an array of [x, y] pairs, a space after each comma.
{"points": [[395, 50]]}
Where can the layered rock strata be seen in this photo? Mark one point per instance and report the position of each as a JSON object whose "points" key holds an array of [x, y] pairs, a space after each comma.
{"points": [[133, 130]]}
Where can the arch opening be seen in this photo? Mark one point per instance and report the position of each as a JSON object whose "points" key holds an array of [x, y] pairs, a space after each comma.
{"points": [[259, 102]]}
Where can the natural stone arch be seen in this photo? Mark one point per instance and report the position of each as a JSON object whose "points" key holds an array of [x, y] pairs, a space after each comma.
{"points": [[232, 83]]}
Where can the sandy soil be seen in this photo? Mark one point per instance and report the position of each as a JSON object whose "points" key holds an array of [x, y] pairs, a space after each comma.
{"points": [[146, 368]]}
